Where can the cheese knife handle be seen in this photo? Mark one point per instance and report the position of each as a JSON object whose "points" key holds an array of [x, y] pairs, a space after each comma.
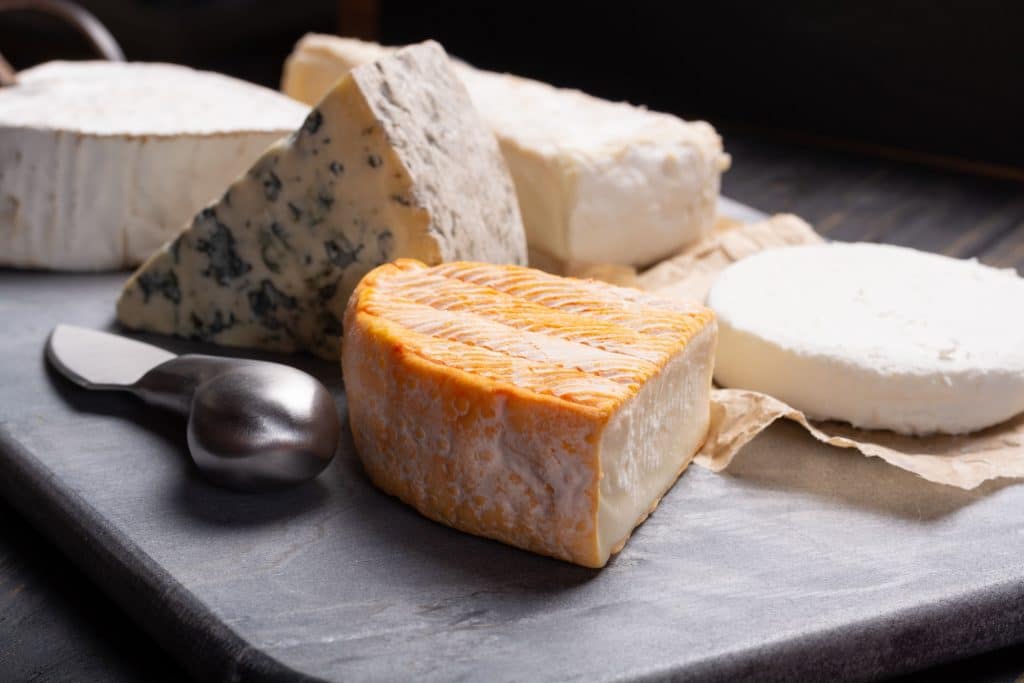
{"points": [[172, 385], [252, 425]]}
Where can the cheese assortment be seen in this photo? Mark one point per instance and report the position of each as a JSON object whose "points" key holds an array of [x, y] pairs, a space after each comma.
{"points": [[393, 161], [879, 336], [597, 181], [101, 163], [546, 412], [392, 223]]}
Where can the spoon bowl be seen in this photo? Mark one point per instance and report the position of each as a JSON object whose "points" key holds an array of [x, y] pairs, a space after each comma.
{"points": [[261, 427]]}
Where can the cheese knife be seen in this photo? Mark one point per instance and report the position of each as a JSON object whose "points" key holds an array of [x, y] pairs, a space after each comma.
{"points": [[252, 425]]}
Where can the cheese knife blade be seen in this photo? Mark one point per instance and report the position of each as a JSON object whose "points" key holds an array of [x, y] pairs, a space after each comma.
{"points": [[100, 360]]}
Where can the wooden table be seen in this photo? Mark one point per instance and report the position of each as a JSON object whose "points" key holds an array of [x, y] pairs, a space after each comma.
{"points": [[55, 626]]}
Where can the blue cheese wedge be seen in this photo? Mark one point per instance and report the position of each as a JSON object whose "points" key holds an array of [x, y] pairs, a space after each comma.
{"points": [[393, 162]]}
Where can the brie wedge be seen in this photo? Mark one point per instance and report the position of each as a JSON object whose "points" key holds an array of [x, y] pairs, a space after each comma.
{"points": [[102, 162], [597, 181], [548, 413], [882, 337], [394, 161]]}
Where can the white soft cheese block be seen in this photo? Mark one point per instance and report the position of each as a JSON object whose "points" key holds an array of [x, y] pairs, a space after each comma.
{"points": [[546, 412], [882, 337], [102, 162], [597, 181], [394, 161]]}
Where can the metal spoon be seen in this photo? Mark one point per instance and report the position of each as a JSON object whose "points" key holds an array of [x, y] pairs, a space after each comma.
{"points": [[252, 425]]}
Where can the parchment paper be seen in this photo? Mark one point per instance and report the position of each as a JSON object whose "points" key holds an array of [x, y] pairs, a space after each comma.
{"points": [[737, 416]]}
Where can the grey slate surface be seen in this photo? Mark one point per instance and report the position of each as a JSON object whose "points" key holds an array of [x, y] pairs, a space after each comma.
{"points": [[800, 561]]}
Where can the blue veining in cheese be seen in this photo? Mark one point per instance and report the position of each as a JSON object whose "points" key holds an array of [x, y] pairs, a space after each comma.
{"points": [[393, 162]]}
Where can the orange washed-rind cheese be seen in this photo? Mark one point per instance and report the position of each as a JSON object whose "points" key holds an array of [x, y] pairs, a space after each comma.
{"points": [[548, 413]]}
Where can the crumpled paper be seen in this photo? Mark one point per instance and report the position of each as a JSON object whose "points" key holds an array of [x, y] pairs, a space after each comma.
{"points": [[737, 415]]}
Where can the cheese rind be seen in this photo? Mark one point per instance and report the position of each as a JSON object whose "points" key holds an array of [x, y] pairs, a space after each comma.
{"points": [[879, 336], [548, 413], [101, 162], [394, 161], [597, 181]]}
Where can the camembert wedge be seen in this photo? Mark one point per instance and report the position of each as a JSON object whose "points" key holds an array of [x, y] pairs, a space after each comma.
{"points": [[548, 413]]}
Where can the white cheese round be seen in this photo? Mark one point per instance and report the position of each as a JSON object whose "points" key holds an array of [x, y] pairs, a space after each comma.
{"points": [[102, 162], [879, 336]]}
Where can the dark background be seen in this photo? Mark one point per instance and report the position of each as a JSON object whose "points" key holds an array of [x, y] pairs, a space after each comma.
{"points": [[907, 78], [926, 82]]}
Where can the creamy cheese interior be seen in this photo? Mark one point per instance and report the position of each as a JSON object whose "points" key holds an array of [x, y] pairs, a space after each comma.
{"points": [[651, 439]]}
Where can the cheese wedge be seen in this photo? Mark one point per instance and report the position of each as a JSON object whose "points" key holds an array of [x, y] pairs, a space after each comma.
{"points": [[394, 161], [103, 162], [548, 413], [598, 181]]}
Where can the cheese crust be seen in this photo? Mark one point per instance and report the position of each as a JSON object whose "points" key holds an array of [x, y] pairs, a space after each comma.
{"points": [[513, 404]]}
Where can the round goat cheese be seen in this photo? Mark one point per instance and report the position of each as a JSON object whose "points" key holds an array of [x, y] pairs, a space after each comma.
{"points": [[879, 336], [102, 162]]}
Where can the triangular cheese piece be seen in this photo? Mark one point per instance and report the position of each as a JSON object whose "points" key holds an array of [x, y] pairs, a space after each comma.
{"points": [[393, 162], [545, 412]]}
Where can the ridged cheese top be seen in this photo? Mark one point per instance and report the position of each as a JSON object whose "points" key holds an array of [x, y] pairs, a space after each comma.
{"points": [[137, 99], [584, 342]]}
